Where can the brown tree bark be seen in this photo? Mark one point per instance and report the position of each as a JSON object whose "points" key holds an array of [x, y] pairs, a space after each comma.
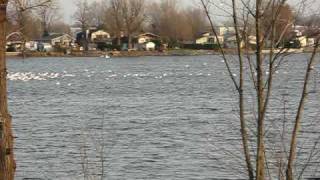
{"points": [[243, 124], [260, 164], [296, 129], [129, 41], [7, 163]]}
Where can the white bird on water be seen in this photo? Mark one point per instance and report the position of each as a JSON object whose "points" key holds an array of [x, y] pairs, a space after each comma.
{"points": [[105, 56]]}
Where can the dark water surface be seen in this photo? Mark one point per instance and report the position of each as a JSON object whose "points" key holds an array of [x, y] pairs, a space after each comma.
{"points": [[145, 118]]}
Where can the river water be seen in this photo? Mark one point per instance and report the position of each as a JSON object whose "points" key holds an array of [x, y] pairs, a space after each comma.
{"points": [[144, 118]]}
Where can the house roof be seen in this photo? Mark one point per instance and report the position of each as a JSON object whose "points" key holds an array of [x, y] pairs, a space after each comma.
{"points": [[52, 36], [201, 34], [149, 34], [100, 30], [14, 37]]}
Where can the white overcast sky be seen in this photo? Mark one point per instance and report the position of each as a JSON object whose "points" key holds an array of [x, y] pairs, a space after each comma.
{"points": [[68, 8]]}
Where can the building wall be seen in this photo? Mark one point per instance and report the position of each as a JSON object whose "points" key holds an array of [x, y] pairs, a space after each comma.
{"points": [[63, 40], [202, 40], [210, 40], [311, 41], [144, 39], [150, 46], [100, 35], [303, 41]]}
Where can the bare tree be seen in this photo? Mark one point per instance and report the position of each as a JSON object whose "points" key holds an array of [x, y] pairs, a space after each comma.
{"points": [[82, 17], [24, 15], [133, 16], [175, 24], [125, 16], [48, 14], [114, 21], [166, 19], [97, 13], [7, 162], [271, 21], [196, 21], [60, 27]]}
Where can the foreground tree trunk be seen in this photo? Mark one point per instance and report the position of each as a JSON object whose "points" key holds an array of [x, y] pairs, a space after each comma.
{"points": [[7, 163], [296, 129], [260, 164], [243, 123]]}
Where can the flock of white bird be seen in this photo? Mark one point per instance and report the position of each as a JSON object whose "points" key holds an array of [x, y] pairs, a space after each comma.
{"points": [[28, 76]]}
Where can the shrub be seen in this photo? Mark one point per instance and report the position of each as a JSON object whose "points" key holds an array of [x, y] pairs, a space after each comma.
{"points": [[200, 46], [105, 46]]}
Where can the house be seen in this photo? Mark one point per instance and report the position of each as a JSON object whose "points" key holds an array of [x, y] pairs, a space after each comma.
{"points": [[62, 40], [146, 41], [124, 43], [147, 37], [45, 47], [47, 43], [311, 41], [138, 42], [31, 45], [299, 30], [225, 30], [99, 36], [231, 42], [251, 42], [303, 40], [14, 41], [303, 36], [83, 38], [209, 38], [99, 39]]}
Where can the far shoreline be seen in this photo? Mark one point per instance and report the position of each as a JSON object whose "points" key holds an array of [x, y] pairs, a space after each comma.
{"points": [[173, 52]]}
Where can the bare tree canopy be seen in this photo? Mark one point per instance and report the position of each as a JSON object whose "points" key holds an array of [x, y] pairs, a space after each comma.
{"points": [[125, 16], [48, 14], [267, 25], [82, 14], [176, 24]]}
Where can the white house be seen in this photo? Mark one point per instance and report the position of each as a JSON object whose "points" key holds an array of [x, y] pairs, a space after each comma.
{"points": [[99, 35], [31, 45], [147, 37], [209, 38], [57, 39], [303, 41]]}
